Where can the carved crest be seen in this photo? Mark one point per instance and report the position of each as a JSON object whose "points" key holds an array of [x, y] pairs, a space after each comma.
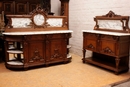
{"points": [[111, 14]]}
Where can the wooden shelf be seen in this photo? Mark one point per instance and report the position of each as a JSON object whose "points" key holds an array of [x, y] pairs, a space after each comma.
{"points": [[104, 64], [16, 62], [15, 51]]}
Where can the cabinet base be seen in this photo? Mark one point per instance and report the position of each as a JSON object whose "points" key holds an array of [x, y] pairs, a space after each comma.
{"points": [[26, 67]]}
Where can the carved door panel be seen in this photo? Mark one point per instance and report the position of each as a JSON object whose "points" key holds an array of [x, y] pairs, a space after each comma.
{"points": [[34, 50], [56, 48]]}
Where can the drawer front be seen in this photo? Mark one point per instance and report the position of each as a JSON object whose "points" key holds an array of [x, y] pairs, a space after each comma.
{"points": [[90, 35], [109, 37], [90, 41], [34, 37], [108, 47], [90, 44], [58, 36]]}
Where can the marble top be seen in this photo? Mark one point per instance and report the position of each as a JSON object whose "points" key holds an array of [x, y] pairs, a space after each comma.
{"points": [[107, 32], [37, 32]]}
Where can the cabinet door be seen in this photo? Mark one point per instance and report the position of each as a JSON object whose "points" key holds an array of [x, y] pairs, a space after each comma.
{"points": [[56, 48], [34, 50], [90, 41]]}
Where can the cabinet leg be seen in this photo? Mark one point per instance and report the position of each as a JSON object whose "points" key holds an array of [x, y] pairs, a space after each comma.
{"points": [[117, 64], [84, 52]]}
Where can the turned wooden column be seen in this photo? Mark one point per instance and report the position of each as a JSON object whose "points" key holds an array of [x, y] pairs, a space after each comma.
{"points": [[65, 10]]}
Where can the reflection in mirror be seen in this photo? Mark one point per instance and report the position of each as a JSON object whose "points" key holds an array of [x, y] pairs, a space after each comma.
{"points": [[55, 7], [110, 24]]}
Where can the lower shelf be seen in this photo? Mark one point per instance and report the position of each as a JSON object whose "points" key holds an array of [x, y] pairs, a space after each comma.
{"points": [[106, 64]]}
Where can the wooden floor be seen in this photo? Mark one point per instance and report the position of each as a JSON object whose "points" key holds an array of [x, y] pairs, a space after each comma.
{"points": [[73, 74]]}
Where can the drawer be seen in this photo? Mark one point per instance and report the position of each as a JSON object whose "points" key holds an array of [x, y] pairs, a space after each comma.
{"points": [[90, 35], [109, 37], [56, 36], [90, 44], [90, 41], [108, 47], [34, 37]]}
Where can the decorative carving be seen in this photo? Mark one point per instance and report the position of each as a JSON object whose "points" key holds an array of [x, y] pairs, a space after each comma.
{"points": [[36, 57], [62, 8], [90, 46], [2, 22], [108, 50], [56, 54], [111, 14]]}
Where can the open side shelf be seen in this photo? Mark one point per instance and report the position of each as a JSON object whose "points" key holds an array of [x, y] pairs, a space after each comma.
{"points": [[15, 51]]}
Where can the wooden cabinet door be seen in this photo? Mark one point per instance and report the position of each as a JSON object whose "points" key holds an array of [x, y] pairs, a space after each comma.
{"points": [[34, 50], [56, 48]]}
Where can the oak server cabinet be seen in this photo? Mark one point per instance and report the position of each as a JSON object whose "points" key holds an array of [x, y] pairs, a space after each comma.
{"points": [[36, 39], [39, 49], [109, 43]]}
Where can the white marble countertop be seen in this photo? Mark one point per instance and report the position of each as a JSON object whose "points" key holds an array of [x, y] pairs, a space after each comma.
{"points": [[107, 32], [37, 32]]}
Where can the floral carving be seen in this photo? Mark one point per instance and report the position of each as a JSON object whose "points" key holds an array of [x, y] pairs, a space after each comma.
{"points": [[56, 54], [90, 46], [36, 57], [108, 50]]}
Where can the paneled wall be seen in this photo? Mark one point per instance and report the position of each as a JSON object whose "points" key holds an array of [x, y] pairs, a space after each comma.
{"points": [[22, 6]]}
